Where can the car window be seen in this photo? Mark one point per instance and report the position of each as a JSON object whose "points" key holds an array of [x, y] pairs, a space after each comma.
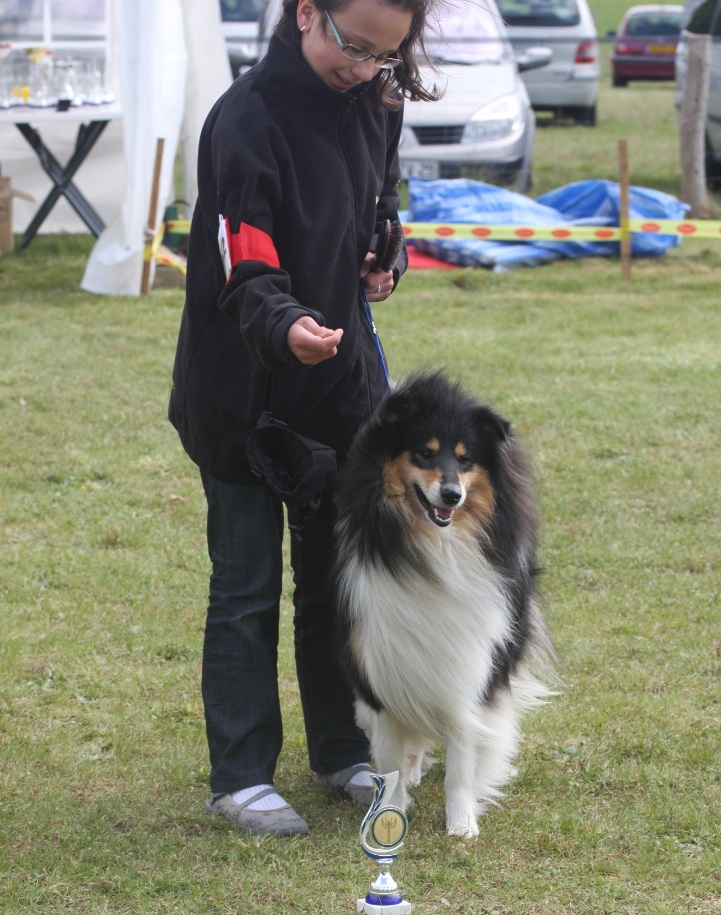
{"points": [[540, 12], [470, 37], [240, 10], [651, 24]]}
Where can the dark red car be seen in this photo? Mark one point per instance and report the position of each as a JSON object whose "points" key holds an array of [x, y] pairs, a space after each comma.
{"points": [[645, 43]]}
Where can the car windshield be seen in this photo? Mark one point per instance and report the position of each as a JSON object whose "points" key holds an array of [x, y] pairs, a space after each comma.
{"points": [[467, 37], [656, 24], [540, 12]]}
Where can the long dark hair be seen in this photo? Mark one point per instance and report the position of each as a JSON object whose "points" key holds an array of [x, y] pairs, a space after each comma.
{"points": [[388, 87]]}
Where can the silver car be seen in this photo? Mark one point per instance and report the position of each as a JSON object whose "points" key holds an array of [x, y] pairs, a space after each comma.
{"points": [[484, 125], [239, 22], [569, 86]]}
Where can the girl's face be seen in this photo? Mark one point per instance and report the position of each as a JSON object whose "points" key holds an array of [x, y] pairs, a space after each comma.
{"points": [[372, 25]]}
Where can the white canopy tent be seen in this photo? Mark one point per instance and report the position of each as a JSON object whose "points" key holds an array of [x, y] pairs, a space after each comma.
{"points": [[166, 61], [173, 65]]}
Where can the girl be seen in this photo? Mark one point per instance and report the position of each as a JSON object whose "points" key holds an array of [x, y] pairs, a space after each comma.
{"points": [[297, 164]]}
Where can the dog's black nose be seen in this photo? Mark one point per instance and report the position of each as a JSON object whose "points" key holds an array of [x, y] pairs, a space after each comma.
{"points": [[451, 495]]}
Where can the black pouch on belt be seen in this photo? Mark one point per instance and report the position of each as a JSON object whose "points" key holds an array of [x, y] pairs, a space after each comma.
{"points": [[296, 468]]}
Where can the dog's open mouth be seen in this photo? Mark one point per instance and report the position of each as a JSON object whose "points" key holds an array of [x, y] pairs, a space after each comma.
{"points": [[440, 516]]}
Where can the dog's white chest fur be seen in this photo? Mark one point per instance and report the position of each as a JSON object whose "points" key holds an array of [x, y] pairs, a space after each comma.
{"points": [[426, 642]]}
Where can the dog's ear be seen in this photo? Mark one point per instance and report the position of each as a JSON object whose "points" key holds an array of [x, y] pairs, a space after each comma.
{"points": [[488, 422], [396, 405]]}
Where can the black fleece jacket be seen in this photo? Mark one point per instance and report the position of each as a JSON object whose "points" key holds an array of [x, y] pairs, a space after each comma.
{"points": [[302, 172]]}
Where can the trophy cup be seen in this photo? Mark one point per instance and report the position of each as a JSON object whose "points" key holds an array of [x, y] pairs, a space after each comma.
{"points": [[386, 827]]}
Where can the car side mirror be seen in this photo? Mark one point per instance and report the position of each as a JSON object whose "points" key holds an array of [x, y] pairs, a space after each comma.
{"points": [[533, 58]]}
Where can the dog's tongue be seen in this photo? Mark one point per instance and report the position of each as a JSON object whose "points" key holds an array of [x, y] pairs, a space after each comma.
{"points": [[443, 514]]}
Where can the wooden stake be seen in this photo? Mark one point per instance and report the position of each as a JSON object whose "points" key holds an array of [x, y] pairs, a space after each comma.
{"points": [[625, 209], [152, 215]]}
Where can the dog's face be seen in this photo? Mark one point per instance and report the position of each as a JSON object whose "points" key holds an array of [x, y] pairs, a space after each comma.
{"points": [[433, 477], [441, 461]]}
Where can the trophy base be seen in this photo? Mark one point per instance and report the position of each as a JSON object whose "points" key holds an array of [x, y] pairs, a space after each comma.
{"points": [[395, 908]]}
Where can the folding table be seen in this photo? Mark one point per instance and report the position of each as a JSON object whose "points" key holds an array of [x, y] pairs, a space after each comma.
{"points": [[91, 121]]}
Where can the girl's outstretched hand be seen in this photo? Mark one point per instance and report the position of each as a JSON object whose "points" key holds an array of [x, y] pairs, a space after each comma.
{"points": [[310, 343]]}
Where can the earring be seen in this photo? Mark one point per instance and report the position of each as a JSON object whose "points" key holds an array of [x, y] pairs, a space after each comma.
{"points": [[304, 28]]}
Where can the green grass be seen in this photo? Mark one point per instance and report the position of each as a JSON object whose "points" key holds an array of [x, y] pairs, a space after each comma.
{"points": [[608, 14], [615, 387], [643, 113]]}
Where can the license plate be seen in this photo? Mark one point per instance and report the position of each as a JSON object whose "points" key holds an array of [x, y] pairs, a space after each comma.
{"points": [[419, 168], [661, 49]]}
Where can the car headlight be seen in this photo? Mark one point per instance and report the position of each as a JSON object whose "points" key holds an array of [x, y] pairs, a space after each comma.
{"points": [[501, 117]]}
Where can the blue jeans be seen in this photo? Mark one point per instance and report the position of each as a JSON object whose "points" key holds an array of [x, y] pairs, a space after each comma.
{"points": [[240, 651]]}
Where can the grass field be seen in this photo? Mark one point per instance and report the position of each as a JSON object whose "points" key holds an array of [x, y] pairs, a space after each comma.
{"points": [[615, 387], [608, 14], [643, 113]]}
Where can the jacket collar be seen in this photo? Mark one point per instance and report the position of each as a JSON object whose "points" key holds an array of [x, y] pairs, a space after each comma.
{"points": [[284, 76]]}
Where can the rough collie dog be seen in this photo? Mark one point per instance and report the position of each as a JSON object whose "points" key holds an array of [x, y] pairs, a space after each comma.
{"points": [[434, 578]]}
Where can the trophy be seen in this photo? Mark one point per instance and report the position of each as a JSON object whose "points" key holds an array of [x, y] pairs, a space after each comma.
{"points": [[385, 827]]}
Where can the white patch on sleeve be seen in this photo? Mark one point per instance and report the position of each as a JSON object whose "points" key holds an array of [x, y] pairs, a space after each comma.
{"points": [[224, 244]]}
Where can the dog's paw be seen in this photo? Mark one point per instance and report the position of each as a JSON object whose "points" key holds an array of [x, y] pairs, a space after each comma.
{"points": [[461, 817], [414, 769], [464, 830], [400, 798], [417, 764]]}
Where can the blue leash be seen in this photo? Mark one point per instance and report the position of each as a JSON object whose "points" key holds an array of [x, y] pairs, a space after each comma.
{"points": [[366, 305]]}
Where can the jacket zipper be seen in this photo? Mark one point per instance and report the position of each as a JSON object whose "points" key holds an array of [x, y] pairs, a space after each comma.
{"points": [[362, 296]]}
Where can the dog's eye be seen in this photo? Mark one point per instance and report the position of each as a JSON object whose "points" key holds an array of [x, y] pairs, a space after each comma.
{"points": [[426, 454], [464, 461]]}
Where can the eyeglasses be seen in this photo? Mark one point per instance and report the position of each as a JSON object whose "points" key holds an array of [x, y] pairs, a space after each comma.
{"points": [[358, 54]]}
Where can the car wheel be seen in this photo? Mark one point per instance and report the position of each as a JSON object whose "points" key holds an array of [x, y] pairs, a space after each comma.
{"points": [[713, 168], [620, 82], [585, 116], [523, 181]]}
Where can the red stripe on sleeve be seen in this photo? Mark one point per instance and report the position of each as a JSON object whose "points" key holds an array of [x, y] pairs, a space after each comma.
{"points": [[251, 244]]}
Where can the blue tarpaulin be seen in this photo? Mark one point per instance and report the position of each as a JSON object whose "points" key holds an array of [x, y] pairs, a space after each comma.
{"points": [[584, 203]]}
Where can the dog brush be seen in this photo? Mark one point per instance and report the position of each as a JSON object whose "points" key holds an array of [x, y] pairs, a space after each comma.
{"points": [[388, 244]]}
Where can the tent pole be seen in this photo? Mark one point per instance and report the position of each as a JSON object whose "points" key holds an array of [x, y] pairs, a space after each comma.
{"points": [[152, 215]]}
